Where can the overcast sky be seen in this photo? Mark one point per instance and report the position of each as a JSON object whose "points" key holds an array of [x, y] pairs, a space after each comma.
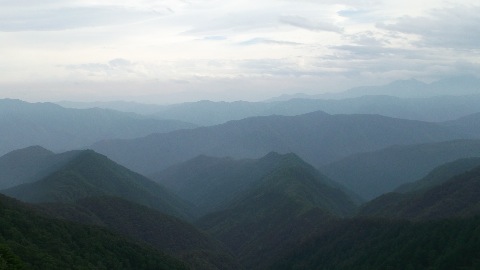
{"points": [[173, 50]]}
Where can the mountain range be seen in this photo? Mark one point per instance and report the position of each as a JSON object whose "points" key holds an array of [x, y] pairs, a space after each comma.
{"points": [[284, 215], [88, 174], [261, 185], [276, 210], [371, 174], [211, 183], [317, 137], [435, 197], [54, 127], [444, 100]]}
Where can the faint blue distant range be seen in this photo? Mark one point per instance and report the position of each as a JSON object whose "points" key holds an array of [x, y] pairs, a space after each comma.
{"points": [[420, 101], [453, 86]]}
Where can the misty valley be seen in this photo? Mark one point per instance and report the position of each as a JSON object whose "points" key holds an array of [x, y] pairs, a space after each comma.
{"points": [[363, 180]]}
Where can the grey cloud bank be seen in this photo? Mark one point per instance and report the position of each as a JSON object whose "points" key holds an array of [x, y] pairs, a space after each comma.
{"points": [[228, 49]]}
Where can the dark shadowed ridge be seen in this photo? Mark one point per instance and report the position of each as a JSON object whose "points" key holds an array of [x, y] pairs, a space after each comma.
{"points": [[90, 174], [317, 137], [148, 226], [33, 241]]}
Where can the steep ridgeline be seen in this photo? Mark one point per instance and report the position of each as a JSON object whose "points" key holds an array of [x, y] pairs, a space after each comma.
{"points": [[90, 174], [30, 164], [284, 206], [371, 174], [210, 183], [29, 240], [57, 128], [435, 198], [317, 137], [146, 225]]}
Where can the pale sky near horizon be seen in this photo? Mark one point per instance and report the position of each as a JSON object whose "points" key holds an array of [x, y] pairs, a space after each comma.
{"points": [[185, 50]]}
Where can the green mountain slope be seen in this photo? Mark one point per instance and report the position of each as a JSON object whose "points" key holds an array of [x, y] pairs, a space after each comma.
{"points": [[261, 221], [57, 128], [378, 244], [318, 138], [457, 197], [165, 233], [371, 174], [210, 183], [32, 241], [90, 174]]}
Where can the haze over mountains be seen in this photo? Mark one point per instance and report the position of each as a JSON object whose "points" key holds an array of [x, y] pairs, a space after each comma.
{"points": [[444, 100], [368, 182], [317, 137], [57, 128]]}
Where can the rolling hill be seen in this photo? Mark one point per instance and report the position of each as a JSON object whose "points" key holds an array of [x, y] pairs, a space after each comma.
{"points": [[89, 175], [59, 129], [317, 137]]}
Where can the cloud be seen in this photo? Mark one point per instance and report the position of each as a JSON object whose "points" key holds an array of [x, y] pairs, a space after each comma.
{"points": [[55, 18], [215, 38], [115, 68], [454, 27], [257, 41], [307, 24]]}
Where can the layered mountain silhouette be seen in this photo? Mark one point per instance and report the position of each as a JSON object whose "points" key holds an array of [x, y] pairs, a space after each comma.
{"points": [[407, 99], [373, 173], [89, 174], [438, 108], [57, 128], [317, 137], [29, 240]]}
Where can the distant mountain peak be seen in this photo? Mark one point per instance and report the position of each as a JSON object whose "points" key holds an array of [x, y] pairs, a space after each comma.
{"points": [[35, 150]]}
